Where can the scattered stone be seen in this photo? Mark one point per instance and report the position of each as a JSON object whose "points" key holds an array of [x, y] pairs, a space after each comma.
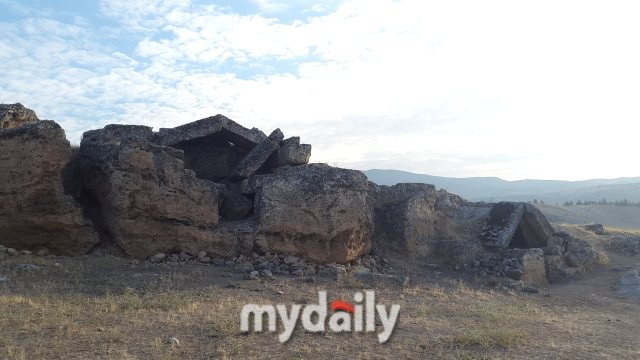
{"points": [[266, 273], [218, 262], [157, 258], [25, 252], [290, 260], [202, 254], [229, 263], [97, 254], [3, 279], [512, 284], [227, 274], [244, 267], [174, 341], [598, 229], [298, 272], [26, 267], [253, 275], [205, 260], [629, 285], [332, 271], [13, 252], [531, 290], [100, 329], [373, 279], [622, 268]]}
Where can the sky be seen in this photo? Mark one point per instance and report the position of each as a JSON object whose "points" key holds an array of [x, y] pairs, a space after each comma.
{"points": [[518, 90]]}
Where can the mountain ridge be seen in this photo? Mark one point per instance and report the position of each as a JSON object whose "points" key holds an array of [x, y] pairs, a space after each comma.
{"points": [[496, 189]]}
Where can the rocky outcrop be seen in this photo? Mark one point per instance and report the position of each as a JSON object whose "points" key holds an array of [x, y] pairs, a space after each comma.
{"points": [[145, 199], [315, 211], [515, 225], [35, 211], [16, 115]]}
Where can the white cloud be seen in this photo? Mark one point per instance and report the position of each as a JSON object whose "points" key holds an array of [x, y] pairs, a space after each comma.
{"points": [[510, 89]]}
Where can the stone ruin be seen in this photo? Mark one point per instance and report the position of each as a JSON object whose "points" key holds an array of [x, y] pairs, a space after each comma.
{"points": [[215, 188]]}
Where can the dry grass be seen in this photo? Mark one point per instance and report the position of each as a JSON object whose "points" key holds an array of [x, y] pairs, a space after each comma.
{"points": [[96, 308], [613, 231]]}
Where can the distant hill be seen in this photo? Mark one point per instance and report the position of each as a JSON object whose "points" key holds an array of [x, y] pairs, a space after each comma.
{"points": [[624, 217], [493, 189]]}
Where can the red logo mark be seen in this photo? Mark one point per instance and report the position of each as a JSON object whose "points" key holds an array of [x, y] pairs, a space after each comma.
{"points": [[342, 305]]}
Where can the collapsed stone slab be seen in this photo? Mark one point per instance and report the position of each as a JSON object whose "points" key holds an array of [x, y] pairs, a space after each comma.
{"points": [[515, 225], [315, 211], [257, 157], [144, 198], [212, 147], [35, 211], [15, 115]]}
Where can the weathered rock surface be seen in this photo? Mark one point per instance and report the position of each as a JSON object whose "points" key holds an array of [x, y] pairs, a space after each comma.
{"points": [[145, 200], [413, 217], [291, 152], [35, 212], [15, 115], [257, 157], [235, 206], [404, 214], [315, 211], [515, 225]]}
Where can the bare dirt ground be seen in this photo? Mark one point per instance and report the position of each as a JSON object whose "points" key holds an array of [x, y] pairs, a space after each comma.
{"points": [[623, 217], [108, 308]]}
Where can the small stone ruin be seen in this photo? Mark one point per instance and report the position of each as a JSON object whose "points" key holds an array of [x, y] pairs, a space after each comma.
{"points": [[217, 190]]}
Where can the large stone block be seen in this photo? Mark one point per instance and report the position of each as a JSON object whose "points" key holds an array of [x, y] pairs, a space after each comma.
{"points": [[146, 201], [315, 211], [35, 211], [291, 152]]}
